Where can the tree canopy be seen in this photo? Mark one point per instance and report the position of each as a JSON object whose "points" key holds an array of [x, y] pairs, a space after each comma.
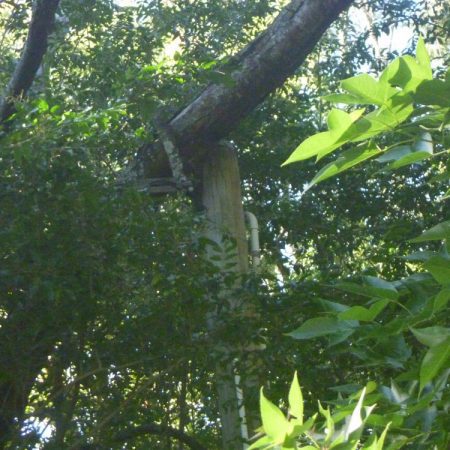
{"points": [[109, 282]]}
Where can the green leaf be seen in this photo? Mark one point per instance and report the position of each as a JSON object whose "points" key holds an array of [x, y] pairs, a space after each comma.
{"points": [[347, 160], [296, 400], [373, 287], [446, 196], [41, 105], [383, 437], [342, 126], [423, 58], [301, 429], [431, 336], [355, 423], [329, 424], [364, 314], [435, 358], [372, 445], [275, 424], [340, 130], [321, 326], [395, 154], [412, 158], [408, 73], [347, 99], [368, 90], [420, 256], [405, 155], [351, 445], [441, 300], [377, 444], [341, 336], [390, 71], [265, 441], [439, 267], [433, 92], [333, 306], [436, 233], [384, 419], [384, 119]]}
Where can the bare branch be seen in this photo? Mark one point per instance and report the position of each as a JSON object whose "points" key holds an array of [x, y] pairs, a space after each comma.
{"points": [[151, 428], [35, 47]]}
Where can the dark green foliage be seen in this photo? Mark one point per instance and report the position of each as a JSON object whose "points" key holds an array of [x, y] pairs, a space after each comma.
{"points": [[104, 290]]}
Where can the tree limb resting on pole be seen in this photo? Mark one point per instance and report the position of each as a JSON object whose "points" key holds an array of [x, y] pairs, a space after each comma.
{"points": [[41, 24], [257, 70]]}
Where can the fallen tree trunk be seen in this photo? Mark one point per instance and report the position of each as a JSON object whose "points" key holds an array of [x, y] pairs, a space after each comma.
{"points": [[257, 70]]}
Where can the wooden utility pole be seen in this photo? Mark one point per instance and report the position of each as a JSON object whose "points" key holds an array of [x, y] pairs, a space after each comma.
{"points": [[221, 196]]}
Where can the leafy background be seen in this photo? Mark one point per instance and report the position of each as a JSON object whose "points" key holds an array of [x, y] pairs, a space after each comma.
{"points": [[111, 282]]}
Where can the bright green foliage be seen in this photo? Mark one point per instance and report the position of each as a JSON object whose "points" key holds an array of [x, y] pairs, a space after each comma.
{"points": [[402, 323], [291, 433], [393, 96]]}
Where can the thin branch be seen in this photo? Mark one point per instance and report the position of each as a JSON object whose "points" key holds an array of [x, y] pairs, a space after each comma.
{"points": [[153, 428], [41, 24]]}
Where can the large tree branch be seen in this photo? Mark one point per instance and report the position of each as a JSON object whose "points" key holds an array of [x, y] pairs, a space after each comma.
{"points": [[41, 24], [258, 70]]}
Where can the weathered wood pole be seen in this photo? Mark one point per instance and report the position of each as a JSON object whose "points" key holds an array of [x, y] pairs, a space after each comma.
{"points": [[225, 219]]}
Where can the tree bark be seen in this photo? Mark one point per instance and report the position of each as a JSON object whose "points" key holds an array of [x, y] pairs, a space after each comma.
{"points": [[257, 70], [42, 20]]}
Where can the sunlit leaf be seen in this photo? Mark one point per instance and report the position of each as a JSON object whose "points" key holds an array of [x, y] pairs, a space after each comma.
{"points": [[408, 73], [275, 424], [296, 400], [340, 130], [355, 423], [262, 442], [423, 58], [384, 119], [329, 423], [298, 429], [347, 160], [369, 90]]}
